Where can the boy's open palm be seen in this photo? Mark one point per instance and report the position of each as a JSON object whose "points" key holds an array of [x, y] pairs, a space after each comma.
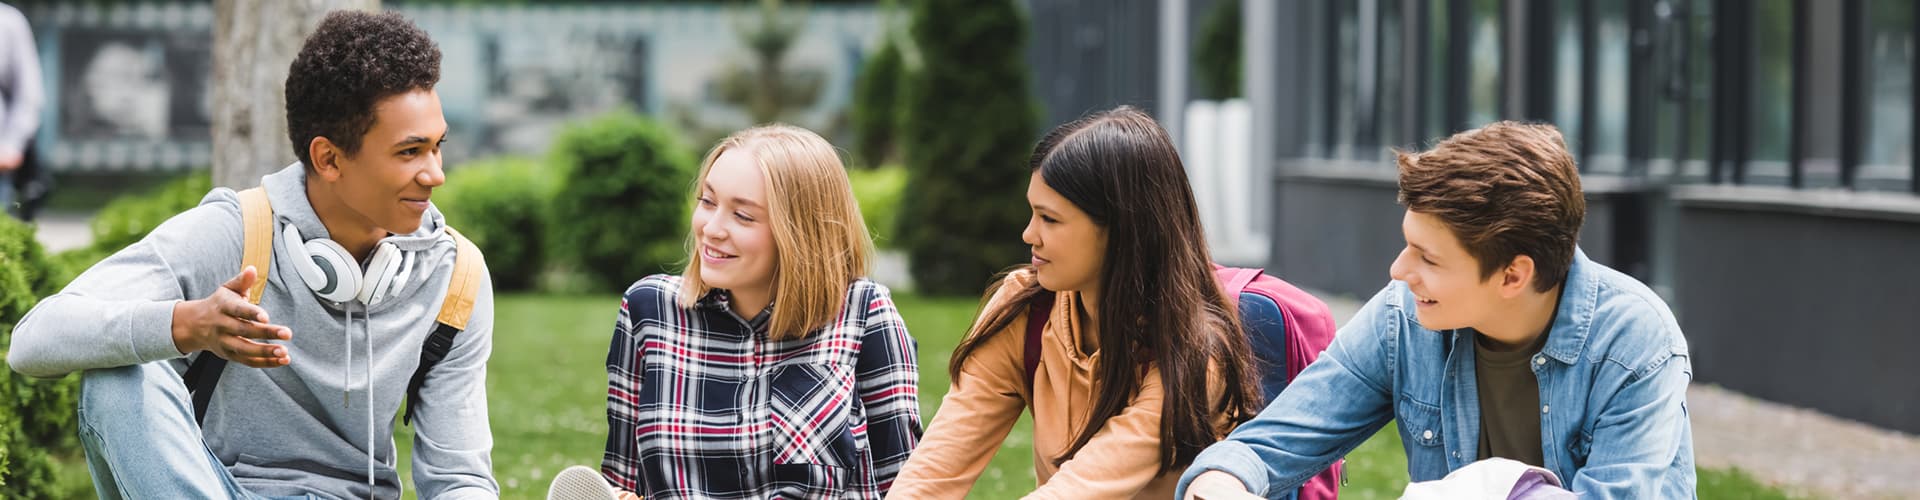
{"points": [[228, 326]]}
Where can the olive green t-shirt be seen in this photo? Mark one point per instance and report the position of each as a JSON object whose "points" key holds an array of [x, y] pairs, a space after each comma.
{"points": [[1509, 400]]}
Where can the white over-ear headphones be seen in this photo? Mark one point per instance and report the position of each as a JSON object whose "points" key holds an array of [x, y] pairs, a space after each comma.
{"points": [[333, 275]]}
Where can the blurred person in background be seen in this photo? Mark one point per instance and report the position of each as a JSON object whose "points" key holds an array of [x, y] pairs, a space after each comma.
{"points": [[24, 183]]}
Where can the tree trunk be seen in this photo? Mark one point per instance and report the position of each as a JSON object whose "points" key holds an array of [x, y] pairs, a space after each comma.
{"points": [[254, 42]]}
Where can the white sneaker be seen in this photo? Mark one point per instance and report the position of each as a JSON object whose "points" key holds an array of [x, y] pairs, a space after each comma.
{"points": [[581, 483]]}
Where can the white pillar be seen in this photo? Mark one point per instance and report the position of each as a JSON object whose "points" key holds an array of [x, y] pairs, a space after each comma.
{"points": [[1171, 110], [1259, 29]]}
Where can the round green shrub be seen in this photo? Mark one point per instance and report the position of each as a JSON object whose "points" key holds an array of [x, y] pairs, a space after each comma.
{"points": [[875, 110], [501, 204], [36, 416], [621, 212], [127, 219], [878, 191]]}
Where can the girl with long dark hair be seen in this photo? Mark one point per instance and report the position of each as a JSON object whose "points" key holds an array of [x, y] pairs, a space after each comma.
{"points": [[1139, 361]]}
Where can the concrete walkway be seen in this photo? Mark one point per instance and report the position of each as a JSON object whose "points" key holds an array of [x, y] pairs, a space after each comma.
{"points": [[1802, 450], [62, 231]]}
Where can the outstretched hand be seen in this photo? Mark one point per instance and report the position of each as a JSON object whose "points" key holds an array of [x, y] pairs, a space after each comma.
{"points": [[228, 326]]}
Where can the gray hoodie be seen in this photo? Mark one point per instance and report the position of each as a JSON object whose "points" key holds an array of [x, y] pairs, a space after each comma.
{"points": [[302, 428]]}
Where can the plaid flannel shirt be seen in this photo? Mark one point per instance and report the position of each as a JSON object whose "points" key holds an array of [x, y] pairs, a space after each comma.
{"points": [[700, 404]]}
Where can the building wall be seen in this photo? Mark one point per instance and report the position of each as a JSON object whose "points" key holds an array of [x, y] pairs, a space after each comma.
{"points": [[1751, 160], [128, 83]]}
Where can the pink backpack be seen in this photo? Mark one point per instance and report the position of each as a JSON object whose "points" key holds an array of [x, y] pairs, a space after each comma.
{"points": [[1305, 333], [1287, 327]]}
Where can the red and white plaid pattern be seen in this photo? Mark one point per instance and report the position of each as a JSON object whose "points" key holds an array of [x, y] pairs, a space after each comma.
{"points": [[700, 404]]}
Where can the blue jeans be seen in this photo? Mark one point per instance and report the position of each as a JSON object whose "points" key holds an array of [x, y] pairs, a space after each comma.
{"points": [[8, 196], [137, 425]]}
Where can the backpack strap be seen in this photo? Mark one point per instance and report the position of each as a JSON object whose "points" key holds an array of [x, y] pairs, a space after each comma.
{"points": [[256, 224], [256, 219], [1037, 313], [1233, 280], [1307, 327], [467, 265], [256, 215], [455, 310]]}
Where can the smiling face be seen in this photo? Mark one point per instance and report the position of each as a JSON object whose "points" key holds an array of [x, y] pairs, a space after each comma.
{"points": [[1446, 281], [1069, 249], [387, 183], [733, 235]]}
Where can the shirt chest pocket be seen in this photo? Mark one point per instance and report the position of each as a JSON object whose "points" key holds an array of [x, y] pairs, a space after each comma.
{"points": [[1420, 423], [815, 412], [1420, 428]]}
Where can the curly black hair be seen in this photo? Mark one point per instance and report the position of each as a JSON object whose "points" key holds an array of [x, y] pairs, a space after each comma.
{"points": [[353, 60]]}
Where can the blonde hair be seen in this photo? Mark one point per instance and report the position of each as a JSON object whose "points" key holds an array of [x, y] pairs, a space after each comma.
{"points": [[820, 241]]}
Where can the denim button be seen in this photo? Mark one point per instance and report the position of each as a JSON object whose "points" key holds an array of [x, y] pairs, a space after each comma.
{"points": [[1426, 435], [1539, 359], [1543, 408]]}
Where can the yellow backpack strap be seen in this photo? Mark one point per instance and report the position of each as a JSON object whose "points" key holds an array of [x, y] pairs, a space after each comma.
{"points": [[256, 219], [256, 224], [454, 312], [467, 266]]}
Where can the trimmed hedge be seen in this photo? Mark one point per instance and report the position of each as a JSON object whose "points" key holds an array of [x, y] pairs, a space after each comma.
{"points": [[970, 123], [501, 204], [876, 106], [622, 211], [127, 219], [878, 190], [36, 415]]}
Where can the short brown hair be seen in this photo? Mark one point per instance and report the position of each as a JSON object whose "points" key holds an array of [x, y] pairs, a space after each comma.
{"points": [[820, 241], [1506, 189]]}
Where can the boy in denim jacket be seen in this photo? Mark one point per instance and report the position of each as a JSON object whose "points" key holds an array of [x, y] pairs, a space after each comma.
{"points": [[1496, 338]]}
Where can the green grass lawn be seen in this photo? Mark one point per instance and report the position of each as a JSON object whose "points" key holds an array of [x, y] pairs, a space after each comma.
{"points": [[547, 393]]}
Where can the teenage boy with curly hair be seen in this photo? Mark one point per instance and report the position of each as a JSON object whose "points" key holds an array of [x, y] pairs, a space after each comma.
{"points": [[295, 367]]}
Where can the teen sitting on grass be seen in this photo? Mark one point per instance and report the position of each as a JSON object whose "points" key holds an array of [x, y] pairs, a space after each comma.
{"points": [[1141, 361], [1496, 338], [770, 368]]}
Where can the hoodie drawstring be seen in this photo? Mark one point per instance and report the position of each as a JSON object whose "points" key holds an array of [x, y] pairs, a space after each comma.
{"points": [[346, 384], [346, 372], [366, 333]]}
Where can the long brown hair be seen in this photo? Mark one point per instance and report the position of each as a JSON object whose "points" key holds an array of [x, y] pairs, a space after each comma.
{"points": [[1159, 302], [819, 238]]}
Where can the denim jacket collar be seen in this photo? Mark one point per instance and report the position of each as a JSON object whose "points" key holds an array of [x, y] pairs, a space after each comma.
{"points": [[1573, 318], [1579, 297]]}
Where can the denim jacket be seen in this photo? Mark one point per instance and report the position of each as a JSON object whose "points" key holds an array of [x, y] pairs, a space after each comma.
{"points": [[1613, 381]]}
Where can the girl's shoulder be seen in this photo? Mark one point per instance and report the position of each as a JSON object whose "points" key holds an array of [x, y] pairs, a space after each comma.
{"points": [[1010, 284], [866, 297], [867, 288], [658, 288]]}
